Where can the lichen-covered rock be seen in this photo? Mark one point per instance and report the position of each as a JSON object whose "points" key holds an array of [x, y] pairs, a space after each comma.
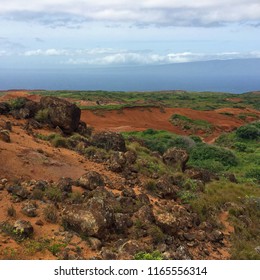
{"points": [[167, 222], [176, 157], [23, 228], [91, 180], [94, 218], [109, 141], [29, 209], [61, 113], [117, 162], [165, 188]]}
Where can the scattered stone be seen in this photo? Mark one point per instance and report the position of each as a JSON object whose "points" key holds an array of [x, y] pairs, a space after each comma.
{"points": [[91, 180], [8, 125], [189, 236], [122, 222], [23, 228], [130, 157], [165, 188]]}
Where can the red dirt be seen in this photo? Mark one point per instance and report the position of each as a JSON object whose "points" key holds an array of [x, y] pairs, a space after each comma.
{"points": [[138, 119]]}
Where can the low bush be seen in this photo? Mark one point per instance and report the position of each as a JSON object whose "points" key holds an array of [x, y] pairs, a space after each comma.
{"points": [[250, 131]]}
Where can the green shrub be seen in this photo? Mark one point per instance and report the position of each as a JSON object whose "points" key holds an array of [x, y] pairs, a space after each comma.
{"points": [[11, 212], [59, 141], [54, 193], [250, 131], [150, 186], [156, 255], [253, 173], [241, 147], [209, 154], [17, 103], [42, 115]]}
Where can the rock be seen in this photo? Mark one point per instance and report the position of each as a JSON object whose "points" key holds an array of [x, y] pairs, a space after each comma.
{"points": [[200, 174], [145, 215], [130, 157], [182, 253], [130, 247], [189, 236], [165, 189], [22, 113], [167, 222], [117, 162], [5, 136], [216, 236], [41, 185], [201, 235], [23, 228], [257, 249], [122, 222], [32, 107], [176, 157], [29, 209], [19, 191], [91, 180], [232, 178], [94, 243], [39, 223], [65, 184], [109, 141], [108, 254], [4, 108], [94, 218], [62, 113], [8, 125]]}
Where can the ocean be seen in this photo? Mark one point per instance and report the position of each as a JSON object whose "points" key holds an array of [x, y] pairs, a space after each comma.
{"points": [[234, 76]]}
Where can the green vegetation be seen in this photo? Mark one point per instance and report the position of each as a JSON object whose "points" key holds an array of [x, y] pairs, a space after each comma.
{"points": [[174, 99], [156, 255], [17, 103], [42, 115], [193, 126]]}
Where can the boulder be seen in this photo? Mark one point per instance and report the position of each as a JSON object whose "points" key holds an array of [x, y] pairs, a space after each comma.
{"points": [[22, 113], [5, 136], [23, 228], [94, 218], [109, 141], [61, 113], [91, 180], [176, 157]]}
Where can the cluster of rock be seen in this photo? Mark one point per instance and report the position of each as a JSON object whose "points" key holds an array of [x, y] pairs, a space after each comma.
{"points": [[120, 220]]}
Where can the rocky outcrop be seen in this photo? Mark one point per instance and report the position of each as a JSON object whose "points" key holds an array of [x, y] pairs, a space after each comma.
{"points": [[61, 113], [176, 157], [109, 141]]}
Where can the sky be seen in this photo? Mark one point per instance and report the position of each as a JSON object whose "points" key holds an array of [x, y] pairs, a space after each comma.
{"points": [[86, 33]]}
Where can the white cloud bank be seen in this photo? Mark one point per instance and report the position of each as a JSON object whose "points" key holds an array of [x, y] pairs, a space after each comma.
{"points": [[143, 12], [111, 57]]}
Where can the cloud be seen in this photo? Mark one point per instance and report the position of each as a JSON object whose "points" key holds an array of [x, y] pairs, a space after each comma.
{"points": [[142, 12], [48, 52]]}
